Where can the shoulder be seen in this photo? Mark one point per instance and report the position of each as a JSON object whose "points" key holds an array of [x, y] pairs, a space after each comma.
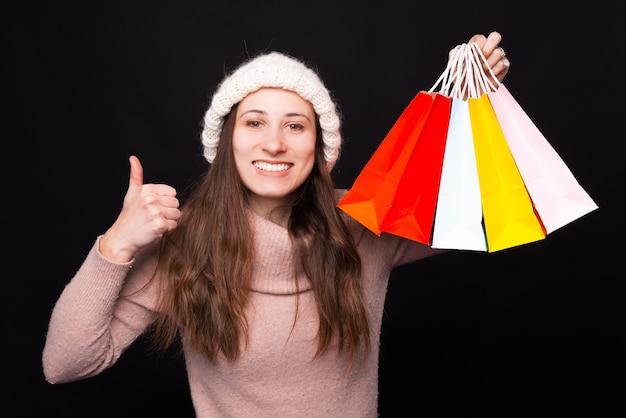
{"points": [[355, 227], [388, 246], [339, 193]]}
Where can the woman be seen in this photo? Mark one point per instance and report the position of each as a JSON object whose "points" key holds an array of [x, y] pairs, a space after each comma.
{"points": [[275, 295]]}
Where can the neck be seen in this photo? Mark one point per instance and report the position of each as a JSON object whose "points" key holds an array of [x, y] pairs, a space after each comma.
{"points": [[276, 212]]}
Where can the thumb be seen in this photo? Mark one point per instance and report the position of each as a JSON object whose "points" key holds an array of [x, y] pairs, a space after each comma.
{"points": [[136, 172]]}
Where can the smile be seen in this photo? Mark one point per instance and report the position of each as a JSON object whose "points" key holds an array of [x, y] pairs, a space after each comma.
{"points": [[271, 167]]}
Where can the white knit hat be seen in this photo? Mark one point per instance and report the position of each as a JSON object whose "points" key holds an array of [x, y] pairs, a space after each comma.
{"points": [[273, 69]]}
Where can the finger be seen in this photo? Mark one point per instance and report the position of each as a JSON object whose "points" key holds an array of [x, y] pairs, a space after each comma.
{"points": [[136, 172], [168, 202], [163, 190], [501, 69], [454, 50], [166, 219], [479, 40], [491, 43], [497, 57], [171, 214], [494, 54]]}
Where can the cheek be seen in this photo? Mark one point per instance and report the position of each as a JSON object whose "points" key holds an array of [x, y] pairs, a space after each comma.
{"points": [[308, 160], [306, 149], [239, 148], [239, 156]]}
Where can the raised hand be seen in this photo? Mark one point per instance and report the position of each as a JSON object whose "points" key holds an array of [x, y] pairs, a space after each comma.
{"points": [[149, 211], [496, 57], [497, 65]]}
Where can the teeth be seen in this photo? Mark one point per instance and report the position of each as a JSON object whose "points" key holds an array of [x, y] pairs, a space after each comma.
{"points": [[271, 167]]}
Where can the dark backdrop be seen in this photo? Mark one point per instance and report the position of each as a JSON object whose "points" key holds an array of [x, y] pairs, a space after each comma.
{"points": [[532, 331]]}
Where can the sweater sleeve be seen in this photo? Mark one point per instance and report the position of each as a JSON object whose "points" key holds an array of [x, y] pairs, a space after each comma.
{"points": [[398, 251], [101, 311], [410, 251]]}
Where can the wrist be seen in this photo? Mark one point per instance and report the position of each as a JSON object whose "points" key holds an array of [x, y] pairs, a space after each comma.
{"points": [[112, 250]]}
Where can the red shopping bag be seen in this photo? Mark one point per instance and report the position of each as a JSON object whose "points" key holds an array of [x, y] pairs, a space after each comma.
{"points": [[373, 191], [412, 210]]}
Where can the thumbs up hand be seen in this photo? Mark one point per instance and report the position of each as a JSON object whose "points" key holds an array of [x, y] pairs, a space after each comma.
{"points": [[149, 211]]}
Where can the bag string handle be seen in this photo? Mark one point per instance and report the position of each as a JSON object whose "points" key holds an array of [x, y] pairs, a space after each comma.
{"points": [[462, 86], [464, 75], [450, 73], [476, 65]]}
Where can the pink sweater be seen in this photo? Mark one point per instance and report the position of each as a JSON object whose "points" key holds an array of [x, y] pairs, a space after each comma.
{"points": [[106, 307]]}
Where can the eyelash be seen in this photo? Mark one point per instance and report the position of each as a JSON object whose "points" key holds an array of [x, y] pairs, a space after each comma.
{"points": [[296, 126], [293, 126]]}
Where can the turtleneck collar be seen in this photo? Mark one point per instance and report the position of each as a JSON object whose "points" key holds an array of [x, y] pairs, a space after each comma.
{"points": [[274, 269]]}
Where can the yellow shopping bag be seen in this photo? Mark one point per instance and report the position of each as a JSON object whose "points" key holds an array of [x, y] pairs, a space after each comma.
{"points": [[508, 212]]}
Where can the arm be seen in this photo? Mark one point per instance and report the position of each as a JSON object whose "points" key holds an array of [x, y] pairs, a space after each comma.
{"points": [[111, 299], [98, 315]]}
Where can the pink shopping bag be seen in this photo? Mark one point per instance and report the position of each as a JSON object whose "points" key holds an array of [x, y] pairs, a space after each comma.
{"points": [[556, 194]]}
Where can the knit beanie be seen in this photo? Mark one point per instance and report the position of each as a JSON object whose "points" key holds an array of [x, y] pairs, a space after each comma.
{"points": [[273, 69]]}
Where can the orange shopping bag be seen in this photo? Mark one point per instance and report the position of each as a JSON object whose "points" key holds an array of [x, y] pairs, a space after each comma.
{"points": [[396, 191], [373, 191]]}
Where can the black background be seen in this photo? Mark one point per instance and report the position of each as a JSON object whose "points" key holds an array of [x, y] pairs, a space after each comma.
{"points": [[536, 330]]}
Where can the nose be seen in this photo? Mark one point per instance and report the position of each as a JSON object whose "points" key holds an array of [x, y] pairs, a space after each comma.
{"points": [[274, 143]]}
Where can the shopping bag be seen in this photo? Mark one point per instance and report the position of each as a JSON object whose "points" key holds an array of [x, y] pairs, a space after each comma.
{"points": [[422, 182], [556, 194], [373, 191], [508, 213], [412, 210], [459, 218]]}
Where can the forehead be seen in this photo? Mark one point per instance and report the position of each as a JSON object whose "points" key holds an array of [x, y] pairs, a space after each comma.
{"points": [[269, 99]]}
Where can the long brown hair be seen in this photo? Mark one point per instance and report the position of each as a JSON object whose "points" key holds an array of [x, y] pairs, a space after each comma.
{"points": [[206, 293]]}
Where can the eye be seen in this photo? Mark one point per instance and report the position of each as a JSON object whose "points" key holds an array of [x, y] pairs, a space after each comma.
{"points": [[253, 123], [295, 127]]}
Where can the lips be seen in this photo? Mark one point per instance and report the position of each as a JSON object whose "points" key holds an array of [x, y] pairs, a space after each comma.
{"points": [[265, 166]]}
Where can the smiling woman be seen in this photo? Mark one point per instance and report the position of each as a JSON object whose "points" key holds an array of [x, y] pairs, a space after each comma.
{"points": [[275, 294], [274, 148]]}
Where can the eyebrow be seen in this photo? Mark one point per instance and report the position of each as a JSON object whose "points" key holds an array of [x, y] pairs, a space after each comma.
{"points": [[254, 111], [289, 114]]}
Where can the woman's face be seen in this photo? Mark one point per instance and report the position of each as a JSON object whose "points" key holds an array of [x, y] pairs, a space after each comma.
{"points": [[274, 145]]}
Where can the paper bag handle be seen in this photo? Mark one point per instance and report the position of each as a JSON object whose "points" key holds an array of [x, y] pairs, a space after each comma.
{"points": [[464, 75], [450, 75], [476, 71]]}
